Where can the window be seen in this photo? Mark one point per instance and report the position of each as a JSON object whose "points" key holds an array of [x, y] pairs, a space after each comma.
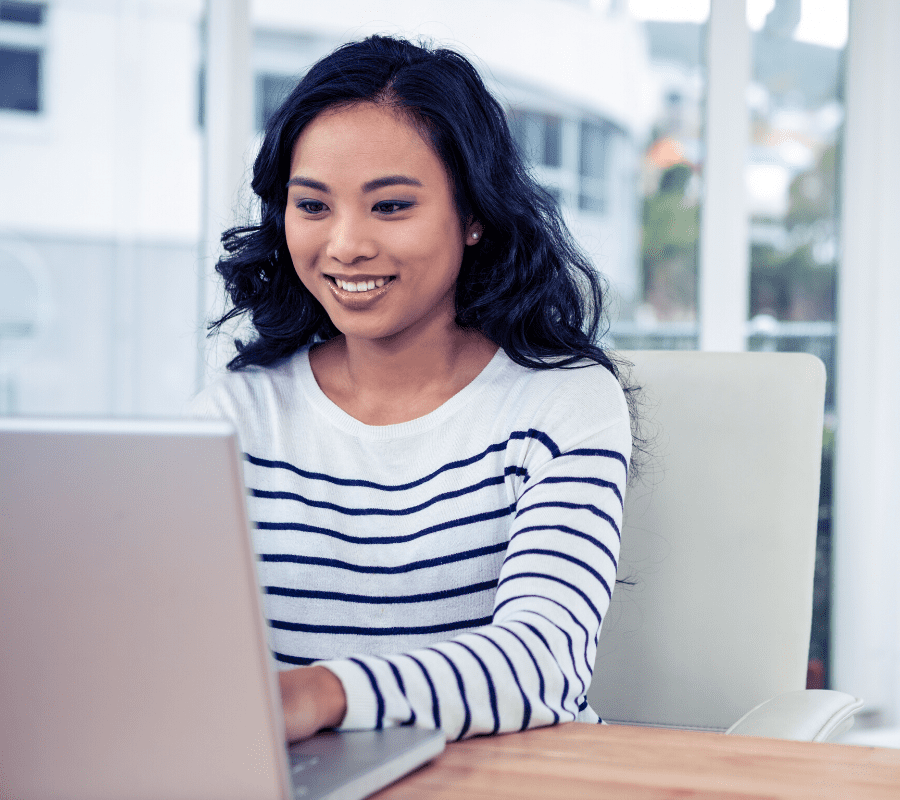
{"points": [[570, 154], [21, 51], [593, 169], [20, 82], [23, 13], [539, 136], [796, 118], [270, 92]]}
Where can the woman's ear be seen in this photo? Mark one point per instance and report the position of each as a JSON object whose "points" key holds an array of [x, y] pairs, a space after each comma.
{"points": [[474, 232]]}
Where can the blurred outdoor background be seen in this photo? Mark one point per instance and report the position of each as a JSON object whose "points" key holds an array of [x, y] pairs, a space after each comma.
{"points": [[696, 147]]}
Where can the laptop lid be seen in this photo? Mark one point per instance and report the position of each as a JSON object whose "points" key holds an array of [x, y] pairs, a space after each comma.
{"points": [[133, 661]]}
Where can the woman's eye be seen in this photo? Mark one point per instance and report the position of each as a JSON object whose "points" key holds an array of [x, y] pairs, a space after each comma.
{"points": [[311, 206], [390, 207]]}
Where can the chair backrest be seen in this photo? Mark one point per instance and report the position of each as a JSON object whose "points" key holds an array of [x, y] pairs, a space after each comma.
{"points": [[719, 537]]}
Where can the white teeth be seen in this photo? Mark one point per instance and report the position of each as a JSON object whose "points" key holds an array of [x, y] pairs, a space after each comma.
{"points": [[361, 286]]}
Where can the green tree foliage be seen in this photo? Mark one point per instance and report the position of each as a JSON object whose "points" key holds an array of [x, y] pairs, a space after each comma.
{"points": [[813, 193], [671, 232], [796, 284]]}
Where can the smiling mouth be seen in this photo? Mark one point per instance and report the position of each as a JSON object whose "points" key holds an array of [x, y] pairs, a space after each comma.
{"points": [[360, 286]]}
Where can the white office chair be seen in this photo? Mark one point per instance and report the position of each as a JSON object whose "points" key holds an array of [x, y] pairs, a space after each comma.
{"points": [[719, 537]]}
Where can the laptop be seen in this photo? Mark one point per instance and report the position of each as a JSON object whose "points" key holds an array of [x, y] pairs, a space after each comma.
{"points": [[133, 652]]}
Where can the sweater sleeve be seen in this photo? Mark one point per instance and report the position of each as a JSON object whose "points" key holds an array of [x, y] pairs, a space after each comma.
{"points": [[532, 665]]}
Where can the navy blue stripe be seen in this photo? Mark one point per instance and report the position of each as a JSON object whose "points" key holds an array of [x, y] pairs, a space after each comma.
{"points": [[402, 687], [546, 644], [566, 529], [458, 625], [579, 506], [588, 451], [526, 714], [443, 526], [435, 706], [288, 558], [282, 591], [300, 661], [265, 494], [555, 579], [545, 440], [379, 711], [583, 705], [537, 669], [583, 451], [593, 481], [565, 557], [467, 720], [571, 645], [492, 694], [521, 472], [575, 619], [465, 462]]}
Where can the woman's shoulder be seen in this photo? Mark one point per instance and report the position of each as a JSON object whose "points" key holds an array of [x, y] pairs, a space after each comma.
{"points": [[561, 409], [584, 389], [581, 405], [238, 393]]}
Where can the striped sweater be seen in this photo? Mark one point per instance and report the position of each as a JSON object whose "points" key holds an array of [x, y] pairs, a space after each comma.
{"points": [[452, 571]]}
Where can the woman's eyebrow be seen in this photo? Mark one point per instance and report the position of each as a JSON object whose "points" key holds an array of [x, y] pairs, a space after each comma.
{"points": [[309, 183], [370, 186], [390, 180]]}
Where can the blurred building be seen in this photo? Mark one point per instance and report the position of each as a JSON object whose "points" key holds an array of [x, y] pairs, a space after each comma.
{"points": [[101, 158]]}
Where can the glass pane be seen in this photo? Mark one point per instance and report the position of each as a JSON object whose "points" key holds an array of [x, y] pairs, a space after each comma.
{"points": [[796, 116], [20, 79], [663, 312]]}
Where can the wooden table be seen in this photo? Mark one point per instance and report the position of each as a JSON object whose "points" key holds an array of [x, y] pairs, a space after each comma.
{"points": [[575, 761]]}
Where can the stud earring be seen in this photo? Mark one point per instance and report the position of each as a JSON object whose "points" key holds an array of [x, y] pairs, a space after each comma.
{"points": [[474, 236]]}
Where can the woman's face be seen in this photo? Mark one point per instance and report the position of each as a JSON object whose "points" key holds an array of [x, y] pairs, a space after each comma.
{"points": [[371, 224]]}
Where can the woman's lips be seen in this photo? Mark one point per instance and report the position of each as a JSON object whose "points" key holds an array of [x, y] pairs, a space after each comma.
{"points": [[349, 295]]}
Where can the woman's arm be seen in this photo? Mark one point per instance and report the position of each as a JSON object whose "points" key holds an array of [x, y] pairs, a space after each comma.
{"points": [[532, 665]]}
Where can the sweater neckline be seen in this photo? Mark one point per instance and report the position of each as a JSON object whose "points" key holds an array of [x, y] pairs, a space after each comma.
{"points": [[349, 424]]}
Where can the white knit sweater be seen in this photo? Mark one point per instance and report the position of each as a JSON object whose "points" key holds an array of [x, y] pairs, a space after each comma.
{"points": [[452, 571]]}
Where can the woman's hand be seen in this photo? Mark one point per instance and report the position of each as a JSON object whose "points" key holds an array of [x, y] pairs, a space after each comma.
{"points": [[312, 698]]}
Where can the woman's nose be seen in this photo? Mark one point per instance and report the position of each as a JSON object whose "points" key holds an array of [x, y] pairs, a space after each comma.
{"points": [[350, 240]]}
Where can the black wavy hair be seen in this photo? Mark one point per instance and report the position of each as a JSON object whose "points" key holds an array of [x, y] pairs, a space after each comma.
{"points": [[526, 286]]}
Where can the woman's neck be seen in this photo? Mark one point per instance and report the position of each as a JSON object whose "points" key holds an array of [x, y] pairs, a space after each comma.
{"points": [[398, 379]]}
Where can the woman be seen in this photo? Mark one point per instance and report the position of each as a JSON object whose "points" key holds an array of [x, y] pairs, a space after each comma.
{"points": [[436, 450]]}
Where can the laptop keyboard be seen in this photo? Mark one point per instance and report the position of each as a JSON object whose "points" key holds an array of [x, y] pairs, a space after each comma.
{"points": [[299, 764]]}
